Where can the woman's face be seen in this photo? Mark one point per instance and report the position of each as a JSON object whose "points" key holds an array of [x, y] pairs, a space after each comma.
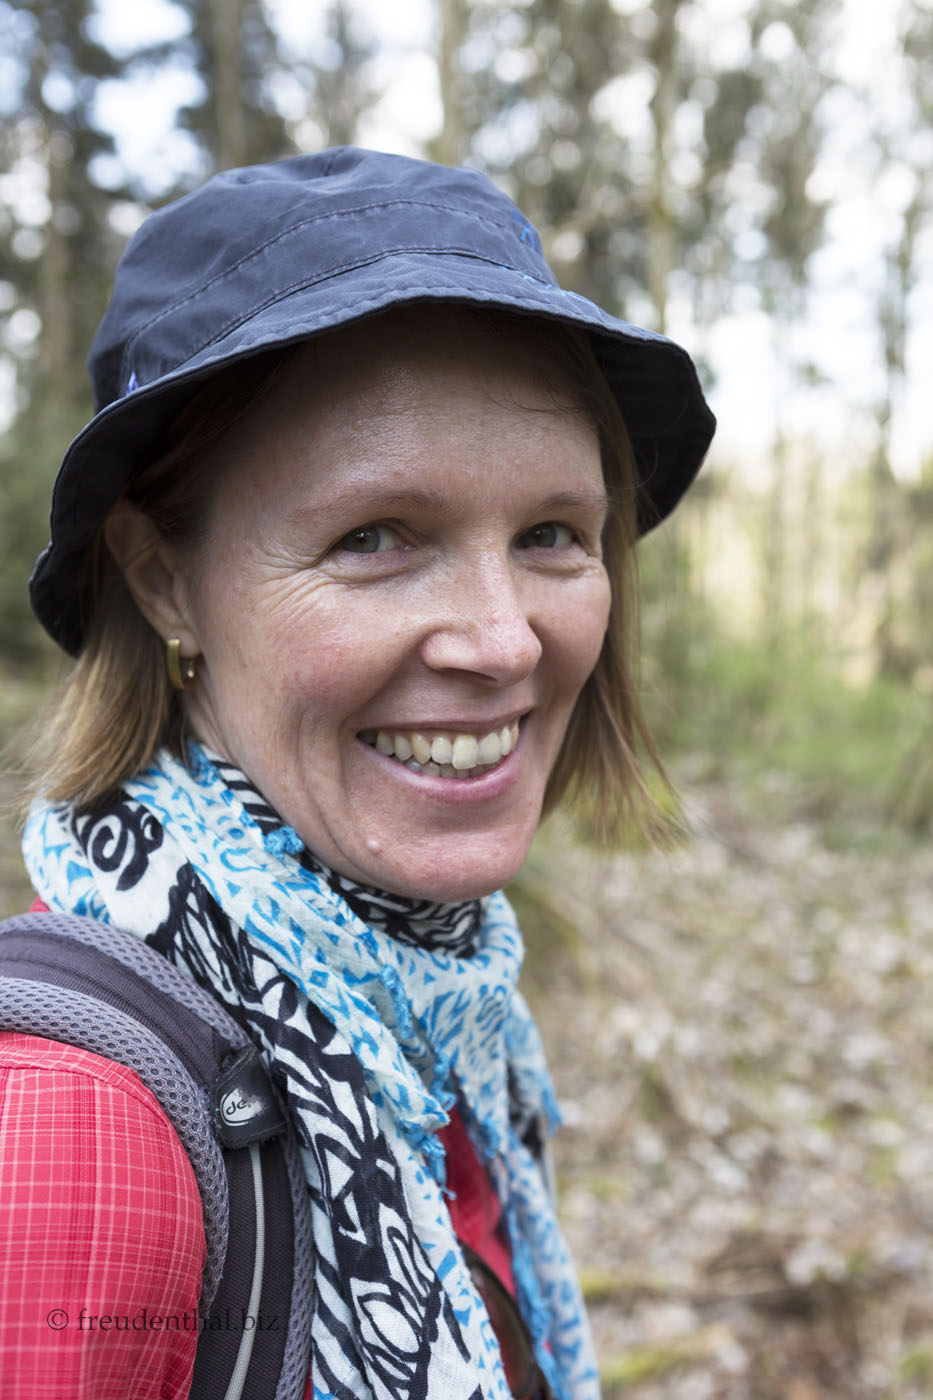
{"points": [[398, 600]]}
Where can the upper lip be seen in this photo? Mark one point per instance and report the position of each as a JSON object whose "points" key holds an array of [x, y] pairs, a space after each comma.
{"points": [[455, 726]]}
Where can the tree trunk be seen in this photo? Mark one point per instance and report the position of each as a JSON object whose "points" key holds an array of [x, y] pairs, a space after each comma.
{"points": [[660, 248], [226, 27], [56, 374], [448, 145]]}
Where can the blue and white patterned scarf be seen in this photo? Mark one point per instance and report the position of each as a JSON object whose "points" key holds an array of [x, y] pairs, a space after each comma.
{"points": [[371, 1037]]}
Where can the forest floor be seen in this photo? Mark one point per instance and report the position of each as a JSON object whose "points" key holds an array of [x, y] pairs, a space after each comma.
{"points": [[741, 1032], [742, 1038]]}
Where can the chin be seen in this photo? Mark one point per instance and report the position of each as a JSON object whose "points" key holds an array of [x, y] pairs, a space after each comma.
{"points": [[448, 877]]}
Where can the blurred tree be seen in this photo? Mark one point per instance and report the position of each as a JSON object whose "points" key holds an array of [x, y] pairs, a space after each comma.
{"points": [[783, 141], [661, 232], [56, 250], [901, 515], [234, 50], [225, 25], [57, 244], [448, 148], [901, 641], [340, 87], [321, 79]]}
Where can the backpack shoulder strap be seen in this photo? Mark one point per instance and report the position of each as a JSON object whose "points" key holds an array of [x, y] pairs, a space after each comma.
{"points": [[74, 980]]}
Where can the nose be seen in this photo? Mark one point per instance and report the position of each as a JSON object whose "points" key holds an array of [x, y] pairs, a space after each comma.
{"points": [[485, 626]]}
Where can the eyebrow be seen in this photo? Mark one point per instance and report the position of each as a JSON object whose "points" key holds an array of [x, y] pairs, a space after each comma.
{"points": [[575, 500], [364, 499], [427, 501]]}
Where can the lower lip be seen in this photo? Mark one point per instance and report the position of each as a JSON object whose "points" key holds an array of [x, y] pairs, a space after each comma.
{"points": [[488, 784]]}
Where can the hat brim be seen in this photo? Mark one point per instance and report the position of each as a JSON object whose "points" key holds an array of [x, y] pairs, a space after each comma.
{"points": [[653, 380]]}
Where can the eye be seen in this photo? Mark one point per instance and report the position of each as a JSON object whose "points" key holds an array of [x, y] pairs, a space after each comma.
{"points": [[369, 539], [547, 535]]}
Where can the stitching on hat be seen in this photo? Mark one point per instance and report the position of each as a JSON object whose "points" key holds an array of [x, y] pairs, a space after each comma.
{"points": [[377, 301], [454, 291], [343, 268], [529, 234], [304, 223]]}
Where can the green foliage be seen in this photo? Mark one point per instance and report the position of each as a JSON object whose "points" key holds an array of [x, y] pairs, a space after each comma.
{"points": [[910, 796], [639, 1364], [773, 696], [917, 1365], [845, 752], [29, 457], [20, 701]]}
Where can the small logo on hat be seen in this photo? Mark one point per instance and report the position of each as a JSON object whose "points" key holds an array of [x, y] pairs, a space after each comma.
{"points": [[529, 234], [131, 384]]}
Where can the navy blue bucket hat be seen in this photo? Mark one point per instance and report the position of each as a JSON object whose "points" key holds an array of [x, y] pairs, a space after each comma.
{"points": [[272, 254]]}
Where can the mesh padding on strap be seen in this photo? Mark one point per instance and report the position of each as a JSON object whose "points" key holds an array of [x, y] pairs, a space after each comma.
{"points": [[80, 1020], [133, 953]]}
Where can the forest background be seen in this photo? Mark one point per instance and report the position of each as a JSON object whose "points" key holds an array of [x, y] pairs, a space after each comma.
{"points": [[755, 178]]}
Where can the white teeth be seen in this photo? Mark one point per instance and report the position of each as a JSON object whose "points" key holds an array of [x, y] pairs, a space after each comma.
{"points": [[461, 756], [489, 749], [466, 752], [442, 750], [421, 748]]}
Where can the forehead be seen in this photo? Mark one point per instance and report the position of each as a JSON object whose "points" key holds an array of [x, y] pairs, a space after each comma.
{"points": [[401, 395], [384, 361]]}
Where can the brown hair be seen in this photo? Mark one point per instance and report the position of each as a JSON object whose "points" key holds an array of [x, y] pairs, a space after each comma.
{"points": [[117, 705]]}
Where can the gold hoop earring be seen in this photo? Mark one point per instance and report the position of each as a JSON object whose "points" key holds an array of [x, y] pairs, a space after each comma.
{"points": [[181, 669]]}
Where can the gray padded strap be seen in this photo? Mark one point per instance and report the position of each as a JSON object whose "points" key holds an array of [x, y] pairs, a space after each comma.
{"points": [[69, 1016], [139, 957]]}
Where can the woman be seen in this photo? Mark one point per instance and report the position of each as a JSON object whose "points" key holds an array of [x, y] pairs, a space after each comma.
{"points": [[342, 558]]}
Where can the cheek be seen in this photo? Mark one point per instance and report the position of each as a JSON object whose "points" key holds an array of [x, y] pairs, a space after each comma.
{"points": [[286, 640], [326, 664], [582, 631]]}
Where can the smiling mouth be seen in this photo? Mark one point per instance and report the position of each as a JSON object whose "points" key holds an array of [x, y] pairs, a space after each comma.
{"points": [[450, 755]]}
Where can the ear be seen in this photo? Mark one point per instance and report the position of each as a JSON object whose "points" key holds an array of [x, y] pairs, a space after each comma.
{"points": [[152, 570]]}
